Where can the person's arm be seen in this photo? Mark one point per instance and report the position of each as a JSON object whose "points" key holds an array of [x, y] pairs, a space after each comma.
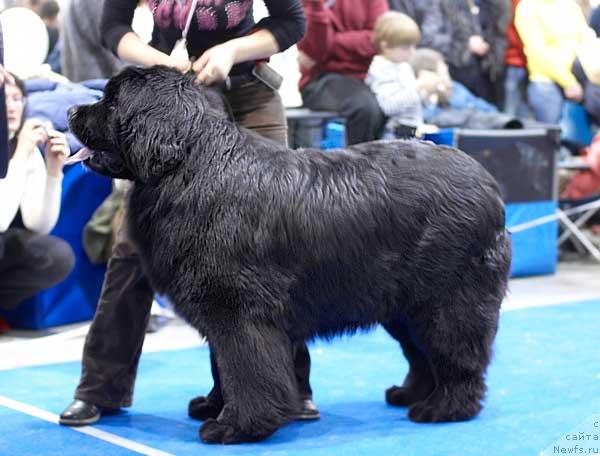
{"points": [[323, 43], [215, 63], [348, 46], [11, 191], [40, 205], [117, 16], [395, 96], [119, 37], [286, 22], [284, 27], [532, 34], [33, 133]]}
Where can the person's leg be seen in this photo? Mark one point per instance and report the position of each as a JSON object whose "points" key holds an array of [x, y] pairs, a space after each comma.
{"points": [[474, 79], [546, 101], [258, 108], [31, 263], [513, 90], [114, 342], [352, 99]]}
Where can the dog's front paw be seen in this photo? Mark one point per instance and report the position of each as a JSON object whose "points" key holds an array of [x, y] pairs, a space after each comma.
{"points": [[403, 396], [215, 431], [212, 431], [203, 408], [398, 396], [435, 410]]}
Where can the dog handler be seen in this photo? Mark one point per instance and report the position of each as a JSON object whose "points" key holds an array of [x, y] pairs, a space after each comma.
{"points": [[225, 45]]}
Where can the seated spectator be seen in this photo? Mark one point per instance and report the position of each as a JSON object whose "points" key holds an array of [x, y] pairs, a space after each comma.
{"points": [[30, 259], [334, 57], [515, 79], [391, 78], [552, 31], [438, 91]]}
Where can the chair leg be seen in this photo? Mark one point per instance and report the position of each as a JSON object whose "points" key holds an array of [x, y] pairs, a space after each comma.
{"points": [[578, 223], [574, 229]]}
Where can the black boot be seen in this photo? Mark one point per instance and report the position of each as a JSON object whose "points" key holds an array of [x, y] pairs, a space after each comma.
{"points": [[80, 413], [309, 411]]}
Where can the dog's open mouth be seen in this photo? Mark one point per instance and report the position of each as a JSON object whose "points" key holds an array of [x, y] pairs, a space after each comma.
{"points": [[82, 155]]}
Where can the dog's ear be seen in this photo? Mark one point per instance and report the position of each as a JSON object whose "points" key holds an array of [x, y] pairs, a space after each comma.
{"points": [[157, 145], [161, 111]]}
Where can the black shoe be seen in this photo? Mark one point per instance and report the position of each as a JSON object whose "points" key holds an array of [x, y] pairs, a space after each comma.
{"points": [[309, 411], [79, 413]]}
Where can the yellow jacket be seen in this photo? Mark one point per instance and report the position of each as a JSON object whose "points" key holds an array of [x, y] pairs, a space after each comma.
{"points": [[551, 31]]}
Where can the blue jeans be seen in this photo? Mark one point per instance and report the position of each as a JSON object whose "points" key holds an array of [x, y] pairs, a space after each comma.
{"points": [[514, 91], [546, 99]]}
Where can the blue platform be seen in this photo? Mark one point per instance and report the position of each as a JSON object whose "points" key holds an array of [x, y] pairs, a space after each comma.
{"points": [[543, 381]]}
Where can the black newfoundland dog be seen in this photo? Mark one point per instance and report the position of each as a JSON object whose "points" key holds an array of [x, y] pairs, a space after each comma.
{"points": [[259, 246]]}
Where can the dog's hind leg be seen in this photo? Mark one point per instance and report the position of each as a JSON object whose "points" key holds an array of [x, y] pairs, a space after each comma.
{"points": [[419, 382], [458, 341], [257, 380], [204, 407]]}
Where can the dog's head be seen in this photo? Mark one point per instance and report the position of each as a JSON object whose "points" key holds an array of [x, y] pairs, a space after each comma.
{"points": [[146, 123]]}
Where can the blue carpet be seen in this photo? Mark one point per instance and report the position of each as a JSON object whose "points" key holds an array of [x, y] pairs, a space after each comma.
{"points": [[544, 380]]}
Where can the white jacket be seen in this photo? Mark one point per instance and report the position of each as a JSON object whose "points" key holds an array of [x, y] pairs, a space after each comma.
{"points": [[395, 86], [28, 186]]}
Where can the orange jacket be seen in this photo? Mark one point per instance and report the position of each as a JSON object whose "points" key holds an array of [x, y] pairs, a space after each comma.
{"points": [[515, 56]]}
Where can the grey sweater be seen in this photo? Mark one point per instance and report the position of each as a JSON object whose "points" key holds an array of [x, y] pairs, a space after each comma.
{"points": [[83, 56]]}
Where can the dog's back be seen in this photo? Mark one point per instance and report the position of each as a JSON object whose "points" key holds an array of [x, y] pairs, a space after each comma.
{"points": [[377, 225]]}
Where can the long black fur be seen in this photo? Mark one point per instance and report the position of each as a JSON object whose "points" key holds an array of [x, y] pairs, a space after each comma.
{"points": [[259, 246]]}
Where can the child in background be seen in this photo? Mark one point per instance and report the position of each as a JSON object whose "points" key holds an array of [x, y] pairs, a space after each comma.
{"points": [[437, 90], [390, 76]]}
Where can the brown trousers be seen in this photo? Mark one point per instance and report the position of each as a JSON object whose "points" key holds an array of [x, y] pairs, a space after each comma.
{"points": [[114, 343]]}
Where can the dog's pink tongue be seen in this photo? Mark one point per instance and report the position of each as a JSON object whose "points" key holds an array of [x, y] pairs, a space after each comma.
{"points": [[79, 156]]}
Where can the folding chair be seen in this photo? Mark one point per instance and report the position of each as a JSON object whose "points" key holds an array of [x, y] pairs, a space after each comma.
{"points": [[573, 214], [572, 228]]}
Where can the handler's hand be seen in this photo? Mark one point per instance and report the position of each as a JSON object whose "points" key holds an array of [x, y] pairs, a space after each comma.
{"points": [[57, 152], [182, 65], [215, 64]]}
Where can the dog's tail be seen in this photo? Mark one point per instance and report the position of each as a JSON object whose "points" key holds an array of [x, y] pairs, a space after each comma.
{"points": [[497, 258]]}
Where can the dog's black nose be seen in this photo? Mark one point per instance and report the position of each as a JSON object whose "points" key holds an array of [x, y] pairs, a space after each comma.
{"points": [[72, 112]]}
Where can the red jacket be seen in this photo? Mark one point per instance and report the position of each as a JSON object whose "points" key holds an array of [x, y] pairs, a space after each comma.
{"points": [[338, 38], [515, 56], [586, 183]]}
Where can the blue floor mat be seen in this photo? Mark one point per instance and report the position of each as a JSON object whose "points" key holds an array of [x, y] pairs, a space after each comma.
{"points": [[25, 435], [544, 381]]}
